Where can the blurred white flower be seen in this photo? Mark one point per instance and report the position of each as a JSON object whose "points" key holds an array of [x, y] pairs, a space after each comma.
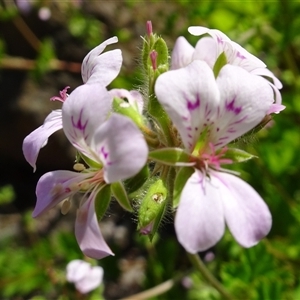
{"points": [[85, 276]]}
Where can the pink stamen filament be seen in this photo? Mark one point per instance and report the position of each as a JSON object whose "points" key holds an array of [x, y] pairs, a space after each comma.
{"points": [[62, 95]]}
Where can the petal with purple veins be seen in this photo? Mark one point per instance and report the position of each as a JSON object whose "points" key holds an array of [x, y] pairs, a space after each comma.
{"points": [[243, 105], [246, 214], [190, 96], [83, 112], [199, 221], [53, 187], [121, 148], [88, 234]]}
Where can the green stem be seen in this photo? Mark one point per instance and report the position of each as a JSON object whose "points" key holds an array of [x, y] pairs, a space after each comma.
{"points": [[200, 266], [157, 290]]}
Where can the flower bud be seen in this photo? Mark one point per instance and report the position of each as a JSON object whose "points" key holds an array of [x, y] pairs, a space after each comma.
{"points": [[152, 209]]}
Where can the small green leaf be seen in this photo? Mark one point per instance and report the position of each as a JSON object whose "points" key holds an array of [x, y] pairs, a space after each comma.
{"points": [[102, 201], [120, 194], [219, 64], [237, 155], [170, 156], [182, 176]]}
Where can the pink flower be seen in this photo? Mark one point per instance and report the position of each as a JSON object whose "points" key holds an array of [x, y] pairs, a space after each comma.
{"points": [[85, 276], [115, 146], [97, 68], [209, 113], [209, 49]]}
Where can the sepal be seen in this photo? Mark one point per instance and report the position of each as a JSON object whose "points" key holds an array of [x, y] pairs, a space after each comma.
{"points": [[171, 156], [102, 201], [219, 64], [181, 178], [134, 183], [119, 192], [124, 108], [237, 155]]}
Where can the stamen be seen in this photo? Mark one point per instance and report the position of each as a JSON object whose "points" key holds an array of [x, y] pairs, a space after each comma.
{"points": [[66, 205], [79, 167], [62, 95]]}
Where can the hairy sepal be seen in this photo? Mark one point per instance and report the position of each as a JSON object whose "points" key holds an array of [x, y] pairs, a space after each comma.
{"points": [[181, 178], [170, 156], [119, 192], [102, 201], [237, 155]]}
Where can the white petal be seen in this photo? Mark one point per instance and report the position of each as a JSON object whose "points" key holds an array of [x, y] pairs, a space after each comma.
{"points": [[245, 101], [84, 111], [77, 269], [199, 221], [88, 234], [206, 49], [102, 68], [39, 137], [121, 148], [190, 96], [182, 53], [92, 280], [246, 214]]}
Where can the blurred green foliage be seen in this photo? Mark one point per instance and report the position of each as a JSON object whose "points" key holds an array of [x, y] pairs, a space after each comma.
{"points": [[33, 267]]}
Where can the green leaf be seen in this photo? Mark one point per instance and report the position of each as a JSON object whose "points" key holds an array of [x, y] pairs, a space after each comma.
{"points": [[182, 176], [170, 156], [102, 201], [237, 155], [120, 194], [219, 64]]}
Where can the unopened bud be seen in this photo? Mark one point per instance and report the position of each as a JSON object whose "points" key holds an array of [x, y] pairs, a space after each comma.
{"points": [[152, 208], [149, 28]]}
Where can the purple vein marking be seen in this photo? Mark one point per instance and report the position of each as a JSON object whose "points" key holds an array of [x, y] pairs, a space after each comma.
{"points": [[230, 107], [79, 125], [104, 153], [192, 106]]}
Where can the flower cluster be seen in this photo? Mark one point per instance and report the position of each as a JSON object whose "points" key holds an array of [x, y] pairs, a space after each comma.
{"points": [[166, 148]]}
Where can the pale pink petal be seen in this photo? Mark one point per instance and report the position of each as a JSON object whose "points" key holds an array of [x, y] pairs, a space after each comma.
{"points": [[182, 53], [77, 269], [102, 68], [88, 234], [276, 109], [245, 101], [268, 73], [53, 187], [133, 97], [92, 280], [39, 137], [190, 96], [121, 148], [206, 49], [83, 112], [199, 221], [246, 214]]}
